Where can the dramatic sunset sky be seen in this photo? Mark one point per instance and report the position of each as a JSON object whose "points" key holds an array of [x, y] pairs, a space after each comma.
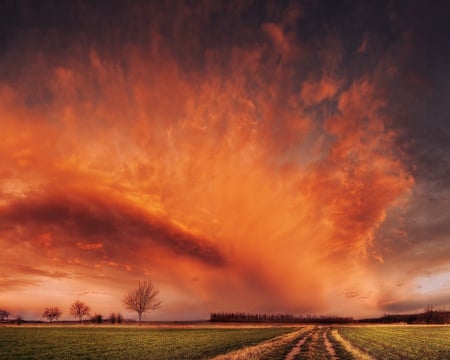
{"points": [[245, 155]]}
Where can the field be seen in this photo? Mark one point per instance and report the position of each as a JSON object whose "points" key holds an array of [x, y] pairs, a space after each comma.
{"points": [[375, 342], [231, 342], [401, 342], [74, 342]]}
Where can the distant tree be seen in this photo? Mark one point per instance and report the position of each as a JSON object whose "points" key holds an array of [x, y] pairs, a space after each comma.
{"points": [[112, 318], [119, 318], [142, 298], [3, 314], [51, 313], [79, 310], [97, 319], [19, 320]]}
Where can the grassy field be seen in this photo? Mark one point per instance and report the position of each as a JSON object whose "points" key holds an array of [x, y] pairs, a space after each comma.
{"points": [[400, 342], [74, 342], [201, 342]]}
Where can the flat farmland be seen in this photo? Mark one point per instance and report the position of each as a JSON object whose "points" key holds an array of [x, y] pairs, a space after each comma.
{"points": [[228, 342], [104, 342], [400, 342]]}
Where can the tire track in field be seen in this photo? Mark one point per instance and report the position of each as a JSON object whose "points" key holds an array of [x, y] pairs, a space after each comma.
{"points": [[314, 345], [329, 346], [352, 349], [265, 349], [297, 347]]}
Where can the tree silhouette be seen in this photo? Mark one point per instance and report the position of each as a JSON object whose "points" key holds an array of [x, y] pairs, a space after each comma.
{"points": [[112, 318], [51, 313], [79, 309], [3, 314], [97, 319], [142, 298]]}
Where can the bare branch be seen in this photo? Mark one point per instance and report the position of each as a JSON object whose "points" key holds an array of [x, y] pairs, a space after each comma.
{"points": [[51, 313], [4, 314], [142, 298], [79, 310]]}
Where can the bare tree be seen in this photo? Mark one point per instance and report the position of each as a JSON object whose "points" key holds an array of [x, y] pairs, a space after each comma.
{"points": [[112, 318], [97, 319], [51, 313], [79, 309], [3, 314], [142, 298]]}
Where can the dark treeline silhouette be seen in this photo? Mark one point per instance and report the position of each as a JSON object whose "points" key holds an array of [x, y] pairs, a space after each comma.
{"points": [[278, 318], [115, 318], [430, 316], [96, 319]]}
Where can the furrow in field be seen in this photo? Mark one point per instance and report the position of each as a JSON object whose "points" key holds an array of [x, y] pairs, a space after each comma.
{"points": [[356, 352], [297, 347], [269, 349], [340, 352], [315, 348], [329, 346]]}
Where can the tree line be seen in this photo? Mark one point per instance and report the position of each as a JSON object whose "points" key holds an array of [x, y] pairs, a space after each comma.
{"points": [[144, 297], [429, 316], [277, 318], [79, 310]]}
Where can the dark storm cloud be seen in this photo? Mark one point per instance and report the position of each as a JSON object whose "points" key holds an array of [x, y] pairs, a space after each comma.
{"points": [[7, 283], [420, 89], [35, 271], [418, 304], [419, 55], [117, 227], [113, 26]]}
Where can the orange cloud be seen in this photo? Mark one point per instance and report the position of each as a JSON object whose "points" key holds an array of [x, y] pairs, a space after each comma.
{"points": [[215, 172], [89, 246], [317, 91]]}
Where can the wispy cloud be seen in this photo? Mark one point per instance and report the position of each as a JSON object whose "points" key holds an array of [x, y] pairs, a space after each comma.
{"points": [[274, 152]]}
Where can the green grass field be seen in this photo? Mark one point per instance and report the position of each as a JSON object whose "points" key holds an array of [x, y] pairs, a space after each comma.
{"points": [[73, 342], [131, 342], [401, 342]]}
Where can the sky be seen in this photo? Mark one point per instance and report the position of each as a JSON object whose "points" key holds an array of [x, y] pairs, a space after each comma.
{"points": [[255, 156]]}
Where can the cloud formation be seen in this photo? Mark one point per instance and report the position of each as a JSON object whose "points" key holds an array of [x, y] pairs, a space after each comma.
{"points": [[220, 148]]}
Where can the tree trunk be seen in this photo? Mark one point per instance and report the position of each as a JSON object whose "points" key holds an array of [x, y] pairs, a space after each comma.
{"points": [[140, 317]]}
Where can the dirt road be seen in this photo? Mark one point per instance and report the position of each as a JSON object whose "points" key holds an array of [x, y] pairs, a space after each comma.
{"points": [[323, 342]]}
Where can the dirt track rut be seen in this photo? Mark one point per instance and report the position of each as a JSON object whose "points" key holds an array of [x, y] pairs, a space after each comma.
{"points": [[314, 345]]}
